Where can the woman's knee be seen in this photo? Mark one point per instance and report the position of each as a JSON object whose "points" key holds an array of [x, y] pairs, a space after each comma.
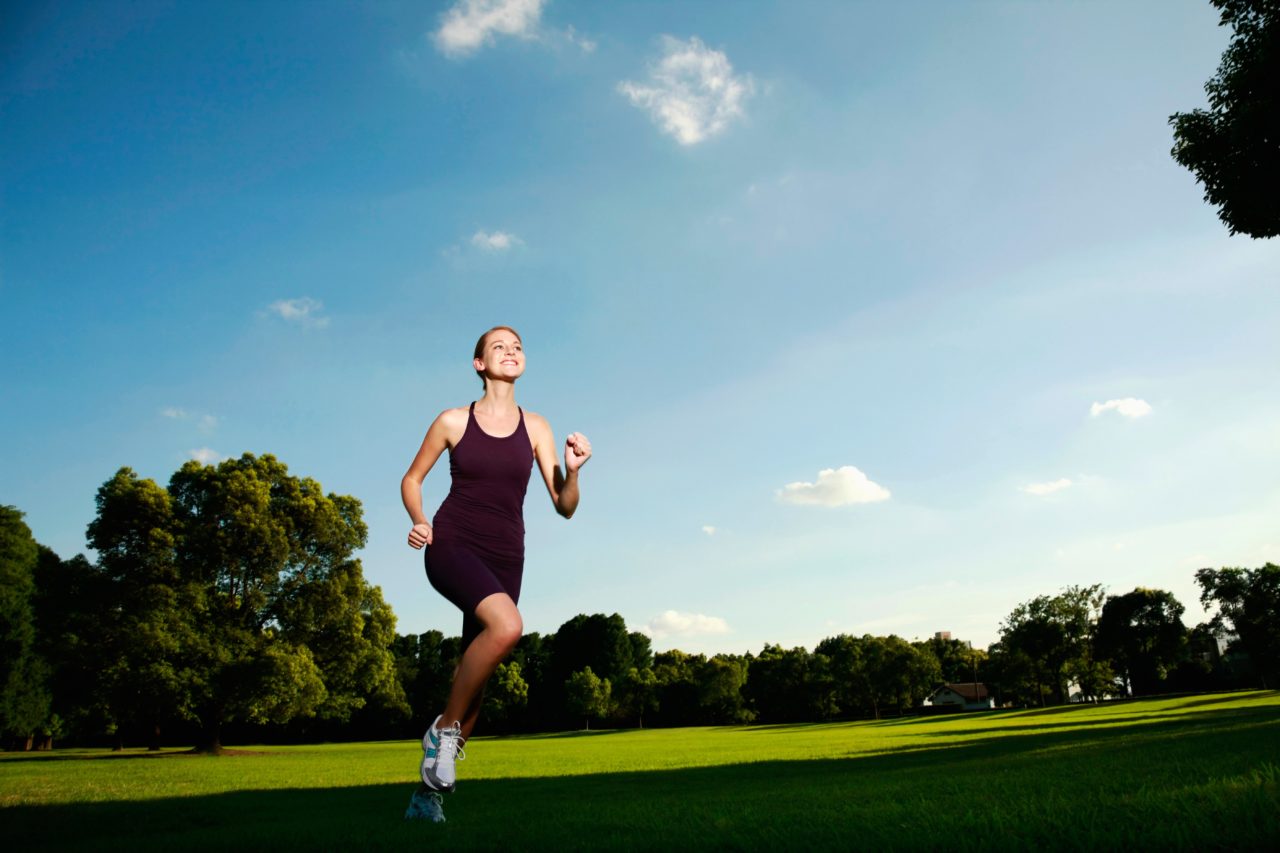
{"points": [[502, 622], [508, 630]]}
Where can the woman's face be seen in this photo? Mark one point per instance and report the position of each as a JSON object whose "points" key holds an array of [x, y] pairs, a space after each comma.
{"points": [[503, 356]]}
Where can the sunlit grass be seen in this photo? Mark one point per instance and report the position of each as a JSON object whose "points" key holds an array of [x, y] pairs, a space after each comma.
{"points": [[1182, 772]]}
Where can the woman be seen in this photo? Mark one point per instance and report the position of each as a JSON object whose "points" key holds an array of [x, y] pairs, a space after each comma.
{"points": [[475, 549]]}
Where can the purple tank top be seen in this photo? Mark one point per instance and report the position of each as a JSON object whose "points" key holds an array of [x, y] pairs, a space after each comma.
{"points": [[485, 505]]}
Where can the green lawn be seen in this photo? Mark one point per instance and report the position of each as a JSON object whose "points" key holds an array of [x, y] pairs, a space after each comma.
{"points": [[1187, 773]]}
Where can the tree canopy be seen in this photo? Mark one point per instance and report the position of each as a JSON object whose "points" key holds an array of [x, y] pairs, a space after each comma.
{"points": [[236, 596], [1248, 603], [1233, 148]]}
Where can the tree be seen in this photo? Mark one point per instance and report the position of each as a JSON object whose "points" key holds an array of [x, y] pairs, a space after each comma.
{"points": [[1248, 603], [242, 581], [24, 694], [587, 695], [959, 661], [1142, 634], [1050, 632], [146, 620], [721, 680], [899, 675], [678, 692], [1233, 148], [846, 657], [74, 635], [638, 693], [507, 693]]}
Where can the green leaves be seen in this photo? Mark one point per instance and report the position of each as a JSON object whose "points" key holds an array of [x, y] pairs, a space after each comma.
{"points": [[235, 595], [1233, 148]]}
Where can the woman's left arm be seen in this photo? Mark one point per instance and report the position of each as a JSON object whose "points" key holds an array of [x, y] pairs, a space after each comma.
{"points": [[561, 486]]}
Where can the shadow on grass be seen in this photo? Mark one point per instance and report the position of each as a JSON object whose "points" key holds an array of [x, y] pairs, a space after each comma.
{"points": [[1172, 784]]}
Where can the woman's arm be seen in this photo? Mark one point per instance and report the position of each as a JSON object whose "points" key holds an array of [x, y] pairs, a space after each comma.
{"points": [[561, 486], [435, 443]]}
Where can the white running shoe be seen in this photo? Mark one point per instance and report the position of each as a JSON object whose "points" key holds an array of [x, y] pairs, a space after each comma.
{"points": [[441, 748]]}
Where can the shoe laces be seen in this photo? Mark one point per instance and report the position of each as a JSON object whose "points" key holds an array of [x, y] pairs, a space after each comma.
{"points": [[451, 741]]}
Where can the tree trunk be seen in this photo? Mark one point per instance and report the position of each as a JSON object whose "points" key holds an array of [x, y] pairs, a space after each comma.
{"points": [[45, 744], [153, 745], [118, 744], [587, 721], [210, 740]]}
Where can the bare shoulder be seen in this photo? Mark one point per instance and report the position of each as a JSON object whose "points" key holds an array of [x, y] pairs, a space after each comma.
{"points": [[453, 417], [538, 428], [453, 423]]}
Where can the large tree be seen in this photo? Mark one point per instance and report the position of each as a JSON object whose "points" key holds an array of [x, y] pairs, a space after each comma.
{"points": [[1051, 634], [147, 627], [242, 580], [24, 695], [1142, 634], [1233, 148], [1248, 602]]}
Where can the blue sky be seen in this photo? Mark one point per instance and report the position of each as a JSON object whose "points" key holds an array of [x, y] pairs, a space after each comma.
{"points": [[920, 247]]}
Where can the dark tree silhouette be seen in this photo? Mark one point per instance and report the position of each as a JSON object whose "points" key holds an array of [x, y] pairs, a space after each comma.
{"points": [[1233, 148]]}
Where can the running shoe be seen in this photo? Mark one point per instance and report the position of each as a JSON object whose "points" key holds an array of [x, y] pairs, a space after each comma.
{"points": [[441, 748], [425, 805]]}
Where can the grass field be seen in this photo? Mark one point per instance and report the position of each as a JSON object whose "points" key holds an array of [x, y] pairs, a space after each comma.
{"points": [[1192, 772]]}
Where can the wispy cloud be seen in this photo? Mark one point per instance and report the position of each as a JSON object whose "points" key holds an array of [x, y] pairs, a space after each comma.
{"points": [[303, 311], [692, 92], [1042, 489], [709, 530], [672, 623], [205, 455], [472, 24], [583, 43], [835, 487], [1130, 407], [206, 423], [496, 241]]}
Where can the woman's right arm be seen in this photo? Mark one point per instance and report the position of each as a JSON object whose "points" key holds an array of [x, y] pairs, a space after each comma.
{"points": [[435, 443]]}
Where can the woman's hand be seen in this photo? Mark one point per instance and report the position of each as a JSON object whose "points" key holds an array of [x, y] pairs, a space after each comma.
{"points": [[420, 535], [577, 450]]}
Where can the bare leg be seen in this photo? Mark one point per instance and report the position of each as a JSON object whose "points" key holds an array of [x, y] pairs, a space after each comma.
{"points": [[502, 629]]}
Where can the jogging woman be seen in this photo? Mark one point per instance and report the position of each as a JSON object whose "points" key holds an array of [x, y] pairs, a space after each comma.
{"points": [[475, 544]]}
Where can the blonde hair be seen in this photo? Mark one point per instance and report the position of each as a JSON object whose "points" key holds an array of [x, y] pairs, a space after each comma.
{"points": [[480, 347]]}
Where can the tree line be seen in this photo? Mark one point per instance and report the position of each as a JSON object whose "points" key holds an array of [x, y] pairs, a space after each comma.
{"points": [[230, 602]]}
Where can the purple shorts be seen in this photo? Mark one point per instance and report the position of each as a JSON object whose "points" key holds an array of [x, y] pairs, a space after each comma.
{"points": [[466, 578]]}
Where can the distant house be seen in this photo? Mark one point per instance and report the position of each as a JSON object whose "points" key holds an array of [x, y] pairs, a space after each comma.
{"points": [[966, 696]]}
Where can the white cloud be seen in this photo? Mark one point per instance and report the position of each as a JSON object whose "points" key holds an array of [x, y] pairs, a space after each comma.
{"points": [[674, 624], [303, 312], [585, 44], [835, 487], [692, 91], [207, 423], [472, 24], [497, 241], [709, 530], [205, 455], [1130, 407], [1047, 488]]}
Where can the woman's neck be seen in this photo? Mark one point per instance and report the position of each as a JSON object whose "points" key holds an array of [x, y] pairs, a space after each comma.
{"points": [[499, 398]]}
